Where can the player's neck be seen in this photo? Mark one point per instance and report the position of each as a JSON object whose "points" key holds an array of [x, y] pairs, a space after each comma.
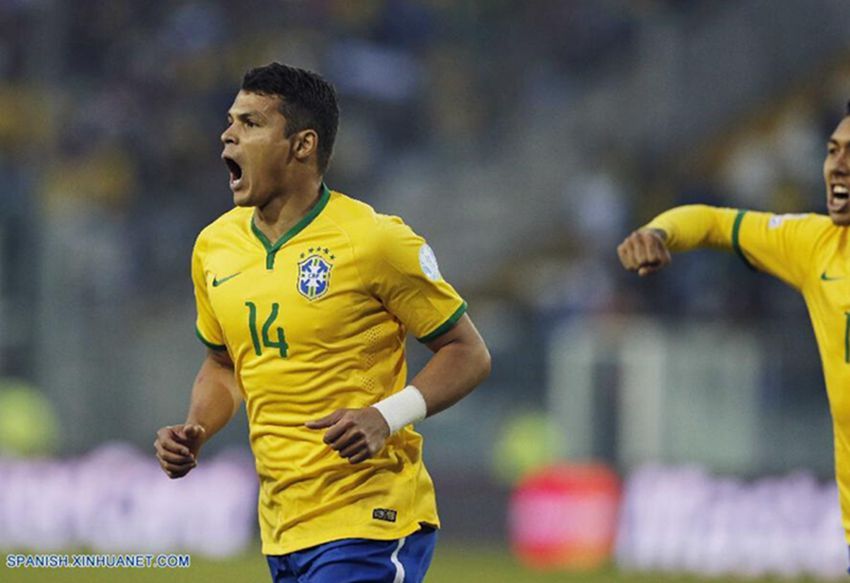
{"points": [[283, 211]]}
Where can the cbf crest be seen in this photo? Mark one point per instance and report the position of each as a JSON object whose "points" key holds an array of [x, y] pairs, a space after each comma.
{"points": [[314, 272]]}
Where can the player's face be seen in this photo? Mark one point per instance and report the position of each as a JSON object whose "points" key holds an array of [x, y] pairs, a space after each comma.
{"points": [[256, 149], [836, 174]]}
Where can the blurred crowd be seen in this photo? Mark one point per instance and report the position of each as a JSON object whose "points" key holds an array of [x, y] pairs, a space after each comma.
{"points": [[113, 109]]}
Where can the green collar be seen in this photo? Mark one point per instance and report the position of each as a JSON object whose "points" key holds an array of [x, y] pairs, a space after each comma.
{"points": [[271, 250]]}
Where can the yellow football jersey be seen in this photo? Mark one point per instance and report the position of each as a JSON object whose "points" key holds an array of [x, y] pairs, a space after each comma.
{"points": [[315, 322], [812, 255]]}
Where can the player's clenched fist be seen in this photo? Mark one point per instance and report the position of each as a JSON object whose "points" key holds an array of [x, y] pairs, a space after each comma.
{"points": [[644, 251], [357, 434], [177, 448]]}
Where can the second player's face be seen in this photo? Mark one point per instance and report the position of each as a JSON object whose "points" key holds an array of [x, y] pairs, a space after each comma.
{"points": [[256, 149], [836, 174]]}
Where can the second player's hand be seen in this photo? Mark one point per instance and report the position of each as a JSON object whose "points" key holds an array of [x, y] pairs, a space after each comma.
{"points": [[356, 434], [644, 251]]}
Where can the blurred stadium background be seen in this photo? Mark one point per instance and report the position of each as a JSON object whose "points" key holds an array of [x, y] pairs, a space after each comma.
{"points": [[524, 139]]}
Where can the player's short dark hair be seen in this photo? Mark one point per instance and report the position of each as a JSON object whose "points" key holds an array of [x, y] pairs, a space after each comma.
{"points": [[307, 101], [847, 109]]}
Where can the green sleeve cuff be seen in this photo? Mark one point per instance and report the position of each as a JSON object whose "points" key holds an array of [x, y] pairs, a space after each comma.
{"points": [[208, 344], [445, 326], [736, 239]]}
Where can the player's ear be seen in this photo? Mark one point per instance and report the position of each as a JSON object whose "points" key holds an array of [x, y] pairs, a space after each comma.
{"points": [[305, 144]]}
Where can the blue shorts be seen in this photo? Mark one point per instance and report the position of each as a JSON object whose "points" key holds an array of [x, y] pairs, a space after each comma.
{"points": [[357, 560]]}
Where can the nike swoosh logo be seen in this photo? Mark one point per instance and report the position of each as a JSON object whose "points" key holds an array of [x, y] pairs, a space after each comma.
{"points": [[825, 277], [217, 282]]}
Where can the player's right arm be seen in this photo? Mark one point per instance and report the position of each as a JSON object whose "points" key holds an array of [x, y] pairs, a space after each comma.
{"points": [[780, 245], [215, 400], [683, 228], [215, 394]]}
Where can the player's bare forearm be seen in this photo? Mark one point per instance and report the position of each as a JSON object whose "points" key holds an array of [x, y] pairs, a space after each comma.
{"points": [[460, 362], [215, 394], [215, 399]]}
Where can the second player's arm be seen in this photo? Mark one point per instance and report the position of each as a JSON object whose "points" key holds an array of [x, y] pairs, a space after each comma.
{"points": [[683, 228]]}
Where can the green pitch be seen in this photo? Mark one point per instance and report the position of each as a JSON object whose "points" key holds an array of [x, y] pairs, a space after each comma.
{"points": [[452, 564]]}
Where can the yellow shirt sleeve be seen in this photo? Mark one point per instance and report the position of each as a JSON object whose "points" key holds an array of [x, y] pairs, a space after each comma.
{"points": [[696, 225], [403, 273], [780, 245], [206, 326]]}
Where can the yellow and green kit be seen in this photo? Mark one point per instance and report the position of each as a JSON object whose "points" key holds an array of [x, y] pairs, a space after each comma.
{"points": [[811, 254], [314, 322]]}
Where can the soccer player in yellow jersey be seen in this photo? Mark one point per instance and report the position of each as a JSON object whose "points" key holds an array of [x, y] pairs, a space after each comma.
{"points": [[809, 252], [304, 297]]}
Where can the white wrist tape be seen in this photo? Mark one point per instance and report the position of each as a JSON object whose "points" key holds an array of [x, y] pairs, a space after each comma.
{"points": [[403, 408]]}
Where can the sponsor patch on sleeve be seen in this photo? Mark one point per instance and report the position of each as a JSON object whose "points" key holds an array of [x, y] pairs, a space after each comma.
{"points": [[777, 220], [428, 263]]}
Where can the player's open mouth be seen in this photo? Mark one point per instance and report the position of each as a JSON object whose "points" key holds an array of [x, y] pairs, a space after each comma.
{"points": [[235, 172], [839, 198]]}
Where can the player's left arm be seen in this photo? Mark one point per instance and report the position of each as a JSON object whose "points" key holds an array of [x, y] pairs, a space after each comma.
{"points": [[460, 362], [401, 271]]}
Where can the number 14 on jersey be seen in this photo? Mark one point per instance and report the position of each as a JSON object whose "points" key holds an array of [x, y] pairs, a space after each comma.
{"points": [[278, 343]]}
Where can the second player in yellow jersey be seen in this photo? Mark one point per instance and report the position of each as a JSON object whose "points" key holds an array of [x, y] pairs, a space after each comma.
{"points": [[809, 252]]}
